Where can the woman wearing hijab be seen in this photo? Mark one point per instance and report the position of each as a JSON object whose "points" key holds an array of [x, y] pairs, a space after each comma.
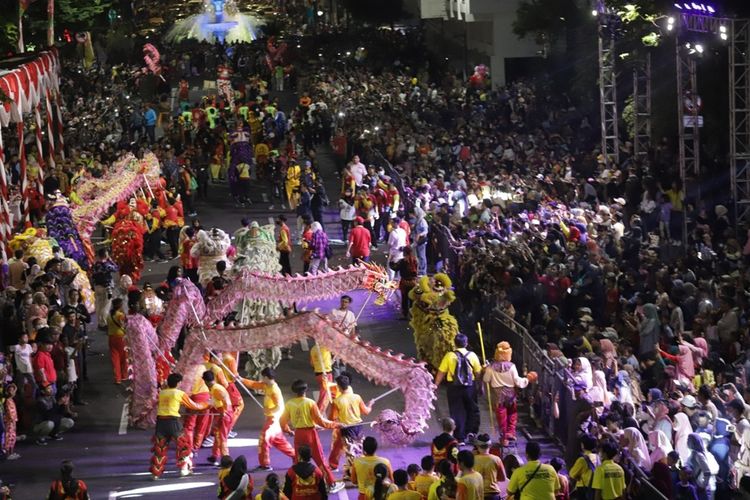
{"points": [[649, 328], [319, 246], [682, 429], [634, 442], [237, 484], [609, 357], [703, 465], [660, 448], [582, 372], [599, 392]]}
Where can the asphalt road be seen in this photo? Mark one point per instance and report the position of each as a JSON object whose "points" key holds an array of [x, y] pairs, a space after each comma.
{"points": [[114, 460]]}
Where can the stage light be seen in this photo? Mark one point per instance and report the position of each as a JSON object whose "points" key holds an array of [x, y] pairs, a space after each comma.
{"points": [[699, 48], [678, 6], [723, 36], [320, 13], [687, 6], [722, 29], [711, 9], [594, 13]]}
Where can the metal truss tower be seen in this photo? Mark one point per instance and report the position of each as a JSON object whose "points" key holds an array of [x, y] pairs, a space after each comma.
{"points": [[608, 98], [642, 109], [739, 117], [687, 126]]}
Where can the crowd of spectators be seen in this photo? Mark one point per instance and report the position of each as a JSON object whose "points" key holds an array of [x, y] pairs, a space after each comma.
{"points": [[639, 289]]}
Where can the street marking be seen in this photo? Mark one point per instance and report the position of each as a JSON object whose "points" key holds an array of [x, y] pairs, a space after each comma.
{"points": [[124, 419], [304, 345]]}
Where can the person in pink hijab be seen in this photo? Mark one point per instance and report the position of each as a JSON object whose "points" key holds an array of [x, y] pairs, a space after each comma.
{"points": [[632, 439]]}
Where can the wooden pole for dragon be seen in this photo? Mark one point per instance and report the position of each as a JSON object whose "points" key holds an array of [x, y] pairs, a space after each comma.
{"points": [[487, 384]]}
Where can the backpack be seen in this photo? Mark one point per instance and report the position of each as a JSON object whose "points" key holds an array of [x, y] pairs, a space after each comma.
{"points": [[464, 375], [329, 251], [193, 183]]}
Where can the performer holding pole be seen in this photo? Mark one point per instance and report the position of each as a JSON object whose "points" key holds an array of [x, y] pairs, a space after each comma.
{"points": [[503, 378], [304, 415], [196, 425], [221, 404], [169, 426], [322, 363], [273, 407], [347, 409]]}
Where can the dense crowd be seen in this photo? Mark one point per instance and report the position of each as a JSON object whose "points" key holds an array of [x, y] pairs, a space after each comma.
{"points": [[591, 257]]}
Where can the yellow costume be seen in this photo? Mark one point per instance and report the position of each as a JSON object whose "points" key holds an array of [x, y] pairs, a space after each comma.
{"points": [[434, 326]]}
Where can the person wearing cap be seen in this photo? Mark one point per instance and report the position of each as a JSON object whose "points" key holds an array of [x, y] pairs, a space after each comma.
{"points": [[273, 407], [462, 397], [360, 241], [44, 367], [534, 480], [303, 414], [347, 408], [489, 466], [502, 376]]}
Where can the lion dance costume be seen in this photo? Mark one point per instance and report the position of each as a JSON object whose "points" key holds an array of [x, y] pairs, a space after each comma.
{"points": [[127, 238], [61, 228], [503, 378], [210, 248], [256, 250], [434, 326]]}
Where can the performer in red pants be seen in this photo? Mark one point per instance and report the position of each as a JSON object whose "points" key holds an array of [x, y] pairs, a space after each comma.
{"points": [[168, 427], [304, 415], [273, 407], [197, 425], [503, 378], [221, 406], [321, 361]]}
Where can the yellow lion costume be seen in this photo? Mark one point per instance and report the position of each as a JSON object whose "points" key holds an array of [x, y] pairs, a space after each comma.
{"points": [[434, 326]]}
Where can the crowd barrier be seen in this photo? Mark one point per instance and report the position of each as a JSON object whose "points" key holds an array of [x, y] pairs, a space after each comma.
{"points": [[551, 402]]}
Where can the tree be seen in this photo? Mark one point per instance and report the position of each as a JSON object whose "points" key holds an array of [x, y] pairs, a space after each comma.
{"points": [[380, 12]]}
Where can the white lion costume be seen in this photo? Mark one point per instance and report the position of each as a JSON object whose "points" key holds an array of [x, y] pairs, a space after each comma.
{"points": [[256, 250], [211, 248]]}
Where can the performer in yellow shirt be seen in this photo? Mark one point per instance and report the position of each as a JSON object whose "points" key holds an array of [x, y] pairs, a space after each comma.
{"points": [[273, 407], [321, 361], [222, 405], [168, 427], [197, 425], [347, 409], [304, 415]]}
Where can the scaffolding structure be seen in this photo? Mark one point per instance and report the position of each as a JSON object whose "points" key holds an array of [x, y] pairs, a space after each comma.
{"points": [[608, 98], [687, 112], [642, 109], [739, 118]]}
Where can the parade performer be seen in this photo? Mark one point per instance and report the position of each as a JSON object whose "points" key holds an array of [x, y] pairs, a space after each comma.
{"points": [[240, 151], [273, 408], [168, 427], [503, 378], [151, 305], [210, 248], [127, 239], [224, 84], [293, 175], [256, 250], [322, 364], [222, 423], [434, 326], [196, 425], [229, 369], [347, 409], [304, 415], [60, 227]]}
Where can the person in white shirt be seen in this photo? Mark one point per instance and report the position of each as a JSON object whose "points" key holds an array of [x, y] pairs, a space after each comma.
{"points": [[22, 353], [342, 317], [359, 171], [396, 244]]}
